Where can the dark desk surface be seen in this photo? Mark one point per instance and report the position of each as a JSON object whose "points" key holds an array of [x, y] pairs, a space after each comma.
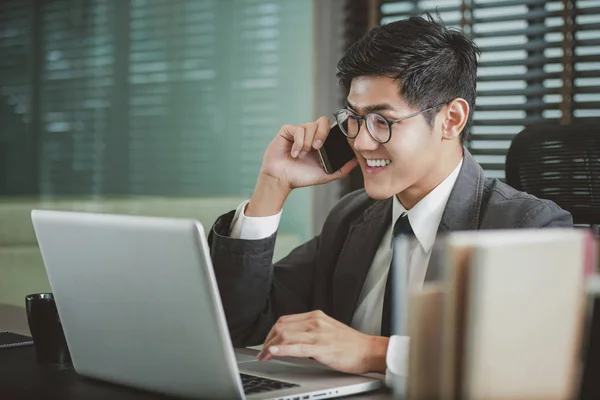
{"points": [[21, 377]]}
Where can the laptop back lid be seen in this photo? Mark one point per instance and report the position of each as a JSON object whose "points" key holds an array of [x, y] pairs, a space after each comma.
{"points": [[138, 301]]}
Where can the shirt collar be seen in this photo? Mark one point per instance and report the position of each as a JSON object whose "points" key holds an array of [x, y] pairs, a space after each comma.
{"points": [[426, 215]]}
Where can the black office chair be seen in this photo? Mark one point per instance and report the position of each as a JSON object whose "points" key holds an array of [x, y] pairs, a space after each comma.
{"points": [[560, 163]]}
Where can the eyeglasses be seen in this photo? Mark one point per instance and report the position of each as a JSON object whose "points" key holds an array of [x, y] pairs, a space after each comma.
{"points": [[378, 126]]}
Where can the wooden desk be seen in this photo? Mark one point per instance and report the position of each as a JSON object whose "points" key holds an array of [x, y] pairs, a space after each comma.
{"points": [[21, 377]]}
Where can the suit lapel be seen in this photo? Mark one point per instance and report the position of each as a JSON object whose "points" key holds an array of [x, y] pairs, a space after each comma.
{"points": [[356, 258], [462, 210], [364, 238]]}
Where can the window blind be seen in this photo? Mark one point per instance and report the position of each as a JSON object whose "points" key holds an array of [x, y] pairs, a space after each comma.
{"points": [[160, 97], [205, 81], [210, 84], [15, 95], [587, 60], [172, 82], [540, 61], [77, 80], [204, 85]]}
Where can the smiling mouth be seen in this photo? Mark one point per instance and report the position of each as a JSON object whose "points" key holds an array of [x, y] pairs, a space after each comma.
{"points": [[381, 163]]}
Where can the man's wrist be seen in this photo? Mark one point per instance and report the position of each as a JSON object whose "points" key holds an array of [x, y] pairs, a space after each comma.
{"points": [[268, 197], [377, 353]]}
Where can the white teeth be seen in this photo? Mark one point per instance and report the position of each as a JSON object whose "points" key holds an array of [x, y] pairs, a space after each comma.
{"points": [[378, 163]]}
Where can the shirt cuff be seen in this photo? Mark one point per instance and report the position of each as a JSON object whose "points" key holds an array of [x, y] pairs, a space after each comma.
{"points": [[397, 362], [253, 228]]}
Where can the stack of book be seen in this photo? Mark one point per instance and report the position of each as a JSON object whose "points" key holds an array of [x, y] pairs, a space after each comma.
{"points": [[507, 319]]}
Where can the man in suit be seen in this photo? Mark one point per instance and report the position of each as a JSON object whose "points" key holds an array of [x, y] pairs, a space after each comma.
{"points": [[411, 97]]}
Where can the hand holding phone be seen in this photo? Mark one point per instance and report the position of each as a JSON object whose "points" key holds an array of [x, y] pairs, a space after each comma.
{"points": [[336, 151], [297, 157], [309, 154]]}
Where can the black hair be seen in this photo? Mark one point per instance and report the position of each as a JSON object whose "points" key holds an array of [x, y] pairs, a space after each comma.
{"points": [[433, 63]]}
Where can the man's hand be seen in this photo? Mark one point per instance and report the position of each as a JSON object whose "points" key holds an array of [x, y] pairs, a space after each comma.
{"points": [[291, 161], [292, 156], [315, 334]]}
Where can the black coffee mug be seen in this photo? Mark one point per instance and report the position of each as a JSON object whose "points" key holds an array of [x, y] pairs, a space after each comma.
{"points": [[46, 330]]}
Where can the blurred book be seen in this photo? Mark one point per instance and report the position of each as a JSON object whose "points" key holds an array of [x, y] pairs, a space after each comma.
{"points": [[506, 322], [424, 329], [596, 255], [590, 384]]}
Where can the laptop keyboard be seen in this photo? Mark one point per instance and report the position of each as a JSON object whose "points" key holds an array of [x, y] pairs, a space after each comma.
{"points": [[256, 384]]}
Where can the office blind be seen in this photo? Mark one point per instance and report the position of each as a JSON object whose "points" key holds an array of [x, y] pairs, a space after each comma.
{"points": [[539, 62], [210, 83], [15, 92], [172, 83], [77, 81], [155, 97], [15, 45], [587, 60], [183, 96], [206, 82]]}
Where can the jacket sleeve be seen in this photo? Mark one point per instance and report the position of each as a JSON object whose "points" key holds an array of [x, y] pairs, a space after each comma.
{"points": [[254, 292], [546, 214]]}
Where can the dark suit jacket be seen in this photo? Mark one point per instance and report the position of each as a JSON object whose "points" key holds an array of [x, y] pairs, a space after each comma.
{"points": [[327, 273]]}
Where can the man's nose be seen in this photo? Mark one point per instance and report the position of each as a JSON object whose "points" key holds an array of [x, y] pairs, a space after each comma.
{"points": [[364, 141]]}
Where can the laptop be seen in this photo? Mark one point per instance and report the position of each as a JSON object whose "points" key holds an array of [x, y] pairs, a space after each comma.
{"points": [[139, 305]]}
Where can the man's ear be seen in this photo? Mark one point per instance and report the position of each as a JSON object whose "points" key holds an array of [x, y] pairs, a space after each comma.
{"points": [[455, 116]]}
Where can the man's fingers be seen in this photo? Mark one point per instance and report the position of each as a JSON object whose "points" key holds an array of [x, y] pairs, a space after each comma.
{"points": [[321, 132], [298, 133], [346, 168], [294, 134], [270, 336], [306, 136], [340, 173], [310, 130], [280, 330], [291, 336], [281, 327], [295, 350], [285, 339], [296, 322], [302, 316]]}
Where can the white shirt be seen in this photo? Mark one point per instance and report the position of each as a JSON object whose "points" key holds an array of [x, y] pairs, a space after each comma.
{"points": [[424, 219]]}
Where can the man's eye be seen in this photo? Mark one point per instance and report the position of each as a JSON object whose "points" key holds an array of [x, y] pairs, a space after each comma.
{"points": [[380, 122]]}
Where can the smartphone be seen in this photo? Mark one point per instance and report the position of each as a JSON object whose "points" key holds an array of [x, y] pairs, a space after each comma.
{"points": [[336, 150]]}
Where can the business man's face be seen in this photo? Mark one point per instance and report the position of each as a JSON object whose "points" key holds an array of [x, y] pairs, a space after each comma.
{"points": [[413, 149]]}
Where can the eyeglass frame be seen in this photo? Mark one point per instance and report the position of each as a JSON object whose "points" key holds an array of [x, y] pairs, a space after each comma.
{"points": [[389, 122]]}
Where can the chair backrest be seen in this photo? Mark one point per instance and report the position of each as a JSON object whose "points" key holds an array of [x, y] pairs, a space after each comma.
{"points": [[559, 163]]}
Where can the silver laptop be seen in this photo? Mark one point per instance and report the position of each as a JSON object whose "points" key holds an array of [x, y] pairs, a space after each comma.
{"points": [[140, 306]]}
